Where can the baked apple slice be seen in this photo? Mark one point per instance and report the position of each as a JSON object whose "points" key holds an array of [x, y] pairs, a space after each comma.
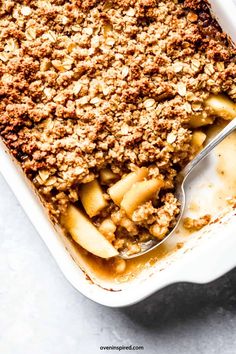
{"points": [[221, 106], [92, 198], [86, 234], [118, 190], [140, 193]]}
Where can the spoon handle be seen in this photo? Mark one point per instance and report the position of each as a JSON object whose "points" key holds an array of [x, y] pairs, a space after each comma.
{"points": [[207, 149]]}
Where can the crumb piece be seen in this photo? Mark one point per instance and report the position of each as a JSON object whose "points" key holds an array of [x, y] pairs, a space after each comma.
{"points": [[196, 224]]}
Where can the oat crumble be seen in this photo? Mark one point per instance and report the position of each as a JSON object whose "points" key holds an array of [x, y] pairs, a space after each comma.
{"points": [[196, 224], [89, 85]]}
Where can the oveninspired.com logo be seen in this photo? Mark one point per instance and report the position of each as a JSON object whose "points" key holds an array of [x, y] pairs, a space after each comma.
{"points": [[121, 347]]}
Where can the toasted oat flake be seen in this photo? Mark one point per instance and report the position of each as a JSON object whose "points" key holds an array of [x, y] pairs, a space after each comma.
{"points": [[149, 103], [211, 82], [62, 66], [110, 41], [232, 91], [44, 4], [209, 69], [181, 87], [6, 78], [44, 175], [95, 100], [130, 12], [15, 13], [4, 57], [95, 41], [77, 87], [68, 60], [125, 71], [88, 31], [187, 107], [195, 65], [83, 100], [190, 96], [30, 33], [51, 181], [59, 98], [11, 46], [76, 28], [220, 65], [58, 65], [50, 35], [48, 91], [39, 180], [26, 11], [177, 67], [49, 124], [171, 138], [124, 129], [105, 91], [64, 20], [45, 65]]}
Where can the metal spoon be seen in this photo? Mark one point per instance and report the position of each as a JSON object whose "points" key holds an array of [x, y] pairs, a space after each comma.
{"points": [[180, 188]]}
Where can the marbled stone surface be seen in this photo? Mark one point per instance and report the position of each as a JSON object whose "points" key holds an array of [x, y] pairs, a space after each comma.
{"points": [[41, 313]]}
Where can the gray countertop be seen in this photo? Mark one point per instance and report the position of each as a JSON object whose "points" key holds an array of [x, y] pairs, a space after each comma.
{"points": [[41, 313]]}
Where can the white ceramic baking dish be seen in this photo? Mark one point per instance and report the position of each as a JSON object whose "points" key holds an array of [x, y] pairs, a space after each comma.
{"points": [[203, 257]]}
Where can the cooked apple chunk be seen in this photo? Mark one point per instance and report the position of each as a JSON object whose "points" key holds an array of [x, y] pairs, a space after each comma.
{"points": [[107, 176], [198, 139], [92, 198], [201, 119], [86, 234], [118, 190], [140, 193], [221, 106]]}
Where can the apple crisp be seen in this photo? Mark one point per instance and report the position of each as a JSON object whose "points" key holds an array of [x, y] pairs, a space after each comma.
{"points": [[95, 93]]}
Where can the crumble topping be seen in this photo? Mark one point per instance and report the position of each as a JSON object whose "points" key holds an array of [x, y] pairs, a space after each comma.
{"points": [[87, 85], [196, 224]]}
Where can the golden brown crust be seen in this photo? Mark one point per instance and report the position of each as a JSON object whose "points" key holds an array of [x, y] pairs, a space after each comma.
{"points": [[90, 84]]}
